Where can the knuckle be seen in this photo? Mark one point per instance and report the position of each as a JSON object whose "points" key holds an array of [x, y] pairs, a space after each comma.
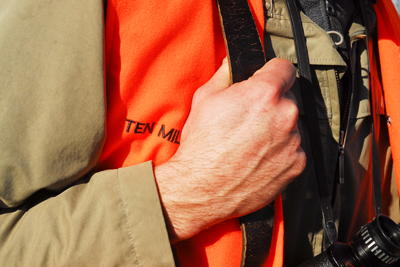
{"points": [[301, 162], [297, 156], [278, 75], [292, 111], [296, 139], [265, 86], [290, 114], [285, 66], [274, 86]]}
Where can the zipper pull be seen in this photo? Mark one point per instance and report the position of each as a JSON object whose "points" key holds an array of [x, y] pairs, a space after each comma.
{"points": [[341, 158], [329, 8]]}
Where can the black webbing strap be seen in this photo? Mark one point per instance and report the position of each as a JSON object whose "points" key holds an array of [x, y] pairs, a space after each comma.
{"points": [[244, 49], [376, 173], [246, 56], [257, 230], [312, 119]]}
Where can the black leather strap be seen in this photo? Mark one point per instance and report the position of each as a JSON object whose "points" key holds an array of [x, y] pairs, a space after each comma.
{"points": [[246, 56], [312, 119]]}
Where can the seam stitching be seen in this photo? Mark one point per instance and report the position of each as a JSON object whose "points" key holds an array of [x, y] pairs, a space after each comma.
{"points": [[127, 221], [311, 59], [288, 27], [328, 102]]}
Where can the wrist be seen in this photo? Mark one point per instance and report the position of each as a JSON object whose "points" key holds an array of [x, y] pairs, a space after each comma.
{"points": [[180, 209]]}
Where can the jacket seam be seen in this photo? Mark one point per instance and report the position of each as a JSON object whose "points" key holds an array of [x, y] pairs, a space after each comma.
{"points": [[311, 59], [289, 27], [127, 220]]}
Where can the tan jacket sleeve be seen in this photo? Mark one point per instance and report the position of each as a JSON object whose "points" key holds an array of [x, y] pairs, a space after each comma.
{"points": [[52, 130], [113, 218]]}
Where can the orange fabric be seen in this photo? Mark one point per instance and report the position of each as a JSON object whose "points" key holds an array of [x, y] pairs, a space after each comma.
{"points": [[220, 245], [389, 55], [275, 258], [151, 78], [157, 54]]}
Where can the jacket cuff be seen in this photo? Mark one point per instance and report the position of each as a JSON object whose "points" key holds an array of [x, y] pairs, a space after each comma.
{"points": [[143, 211]]}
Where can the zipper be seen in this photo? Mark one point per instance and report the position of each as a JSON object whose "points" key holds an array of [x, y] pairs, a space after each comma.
{"points": [[345, 116], [330, 11], [346, 109], [329, 8], [341, 158], [339, 93], [344, 122]]}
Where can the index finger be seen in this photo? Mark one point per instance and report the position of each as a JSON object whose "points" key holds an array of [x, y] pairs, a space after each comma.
{"points": [[278, 73]]}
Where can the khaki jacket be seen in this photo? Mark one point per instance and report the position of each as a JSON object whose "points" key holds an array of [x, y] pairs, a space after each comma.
{"points": [[52, 111]]}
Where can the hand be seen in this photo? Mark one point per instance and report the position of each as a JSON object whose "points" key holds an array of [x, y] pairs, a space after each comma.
{"points": [[240, 148]]}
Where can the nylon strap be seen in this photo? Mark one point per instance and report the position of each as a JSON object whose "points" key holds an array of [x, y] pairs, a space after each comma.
{"points": [[307, 90], [246, 55]]}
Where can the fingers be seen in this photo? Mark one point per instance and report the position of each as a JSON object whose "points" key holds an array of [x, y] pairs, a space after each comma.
{"points": [[280, 74], [287, 115], [221, 79], [275, 78]]}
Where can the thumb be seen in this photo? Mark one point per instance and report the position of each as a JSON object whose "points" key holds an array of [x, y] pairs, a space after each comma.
{"points": [[220, 81]]}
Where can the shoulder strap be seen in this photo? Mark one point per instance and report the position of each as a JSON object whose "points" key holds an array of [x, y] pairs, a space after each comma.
{"points": [[243, 45], [246, 55]]}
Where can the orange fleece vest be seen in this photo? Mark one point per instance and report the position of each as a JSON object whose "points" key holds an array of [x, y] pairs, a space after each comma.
{"points": [[157, 54], [389, 57]]}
